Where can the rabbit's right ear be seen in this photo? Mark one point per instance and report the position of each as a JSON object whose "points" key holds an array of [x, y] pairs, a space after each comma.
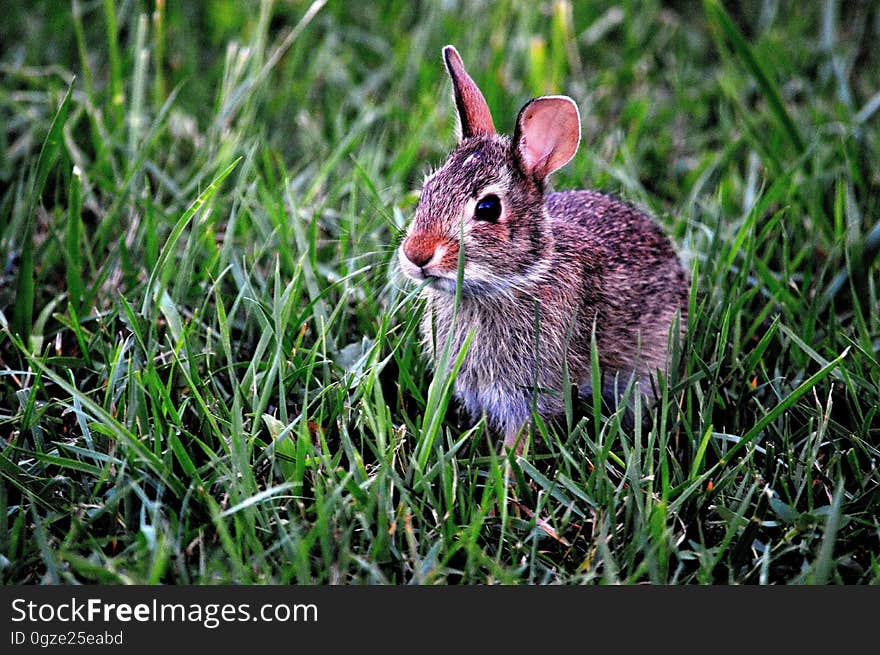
{"points": [[473, 112], [547, 134]]}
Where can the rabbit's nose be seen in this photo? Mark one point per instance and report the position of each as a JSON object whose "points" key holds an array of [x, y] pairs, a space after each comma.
{"points": [[419, 251]]}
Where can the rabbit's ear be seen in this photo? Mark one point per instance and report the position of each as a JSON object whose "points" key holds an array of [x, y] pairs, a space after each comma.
{"points": [[473, 112], [547, 134]]}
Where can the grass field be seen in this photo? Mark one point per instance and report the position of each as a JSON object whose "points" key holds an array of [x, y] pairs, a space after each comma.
{"points": [[207, 374]]}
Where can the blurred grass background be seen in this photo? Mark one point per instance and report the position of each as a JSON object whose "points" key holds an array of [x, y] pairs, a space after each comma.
{"points": [[206, 375]]}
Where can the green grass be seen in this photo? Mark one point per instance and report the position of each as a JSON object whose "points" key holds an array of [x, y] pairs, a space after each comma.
{"points": [[207, 374]]}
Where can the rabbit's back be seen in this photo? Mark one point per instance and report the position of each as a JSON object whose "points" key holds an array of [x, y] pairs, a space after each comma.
{"points": [[629, 258], [629, 233]]}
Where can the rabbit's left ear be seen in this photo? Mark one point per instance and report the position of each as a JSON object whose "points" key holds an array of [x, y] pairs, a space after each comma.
{"points": [[473, 111], [547, 134]]}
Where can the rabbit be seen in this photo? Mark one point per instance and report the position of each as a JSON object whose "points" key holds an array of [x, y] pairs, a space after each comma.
{"points": [[542, 271]]}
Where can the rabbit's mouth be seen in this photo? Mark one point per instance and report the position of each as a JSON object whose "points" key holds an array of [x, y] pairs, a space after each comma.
{"points": [[430, 279], [433, 280], [444, 284]]}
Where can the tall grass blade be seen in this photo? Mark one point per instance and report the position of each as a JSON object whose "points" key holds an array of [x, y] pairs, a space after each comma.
{"points": [[721, 21]]}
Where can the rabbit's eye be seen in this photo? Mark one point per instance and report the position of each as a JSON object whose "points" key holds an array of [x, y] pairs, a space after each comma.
{"points": [[488, 209]]}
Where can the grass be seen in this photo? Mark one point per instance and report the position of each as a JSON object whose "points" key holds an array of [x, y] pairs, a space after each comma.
{"points": [[207, 376]]}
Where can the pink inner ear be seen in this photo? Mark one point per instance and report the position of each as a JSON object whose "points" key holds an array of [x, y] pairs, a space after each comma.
{"points": [[549, 131]]}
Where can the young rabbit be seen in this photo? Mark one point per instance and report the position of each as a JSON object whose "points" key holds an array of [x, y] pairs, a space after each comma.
{"points": [[541, 270]]}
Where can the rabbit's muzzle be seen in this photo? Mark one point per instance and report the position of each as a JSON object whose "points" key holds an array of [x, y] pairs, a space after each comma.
{"points": [[423, 256]]}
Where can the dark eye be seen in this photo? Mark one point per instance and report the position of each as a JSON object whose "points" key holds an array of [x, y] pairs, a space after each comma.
{"points": [[488, 209]]}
